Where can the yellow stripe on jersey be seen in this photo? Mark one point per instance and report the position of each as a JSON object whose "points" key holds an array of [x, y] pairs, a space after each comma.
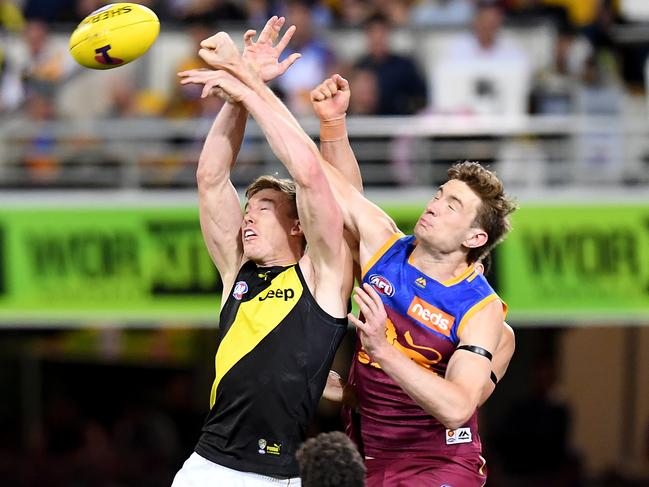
{"points": [[255, 319], [377, 255], [473, 276], [482, 466], [477, 307], [454, 280]]}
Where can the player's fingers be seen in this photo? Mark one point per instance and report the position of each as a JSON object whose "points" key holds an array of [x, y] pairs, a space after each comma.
{"points": [[206, 91], [316, 95], [277, 26], [331, 86], [247, 37], [357, 323], [193, 79], [376, 299], [362, 293], [267, 30], [286, 38], [288, 62], [342, 83], [335, 376], [326, 91], [191, 72], [363, 305]]}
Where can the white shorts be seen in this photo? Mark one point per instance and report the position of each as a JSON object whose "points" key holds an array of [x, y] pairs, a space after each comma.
{"points": [[199, 472]]}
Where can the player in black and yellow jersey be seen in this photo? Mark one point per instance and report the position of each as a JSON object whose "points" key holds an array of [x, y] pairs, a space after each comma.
{"points": [[284, 305]]}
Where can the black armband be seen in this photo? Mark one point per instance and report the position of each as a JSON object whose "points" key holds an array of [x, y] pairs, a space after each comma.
{"points": [[493, 378], [476, 349]]}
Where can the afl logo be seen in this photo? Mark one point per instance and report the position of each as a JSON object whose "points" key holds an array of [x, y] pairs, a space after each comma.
{"points": [[240, 288], [382, 285]]}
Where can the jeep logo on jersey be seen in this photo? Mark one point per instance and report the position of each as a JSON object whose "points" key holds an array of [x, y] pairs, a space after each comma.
{"points": [[430, 316], [240, 288], [284, 294], [382, 285]]}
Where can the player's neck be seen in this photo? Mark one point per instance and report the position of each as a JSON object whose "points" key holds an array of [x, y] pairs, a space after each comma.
{"points": [[437, 265], [284, 259]]}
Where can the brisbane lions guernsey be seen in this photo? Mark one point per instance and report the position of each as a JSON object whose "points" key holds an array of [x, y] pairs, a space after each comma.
{"points": [[275, 348], [425, 317]]}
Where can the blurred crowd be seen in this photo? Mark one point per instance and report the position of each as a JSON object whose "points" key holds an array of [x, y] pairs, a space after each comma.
{"points": [[477, 69]]}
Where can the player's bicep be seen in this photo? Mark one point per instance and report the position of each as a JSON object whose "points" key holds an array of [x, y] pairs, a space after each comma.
{"points": [[504, 352], [470, 368], [321, 220], [221, 218]]}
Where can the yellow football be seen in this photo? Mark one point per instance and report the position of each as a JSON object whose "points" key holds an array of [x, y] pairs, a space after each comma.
{"points": [[114, 35]]}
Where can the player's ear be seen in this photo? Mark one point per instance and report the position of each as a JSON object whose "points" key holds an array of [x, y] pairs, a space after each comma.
{"points": [[296, 228], [476, 237]]}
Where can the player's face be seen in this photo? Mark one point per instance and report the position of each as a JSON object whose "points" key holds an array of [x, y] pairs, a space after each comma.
{"points": [[448, 219], [267, 225]]}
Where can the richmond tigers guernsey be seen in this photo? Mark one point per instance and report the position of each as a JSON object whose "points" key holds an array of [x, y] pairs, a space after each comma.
{"points": [[275, 348], [425, 317]]}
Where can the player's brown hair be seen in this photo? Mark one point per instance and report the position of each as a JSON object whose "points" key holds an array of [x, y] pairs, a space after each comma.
{"points": [[493, 213]]}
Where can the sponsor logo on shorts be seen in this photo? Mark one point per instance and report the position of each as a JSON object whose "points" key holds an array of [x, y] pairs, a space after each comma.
{"points": [[381, 284], [240, 288], [430, 316], [460, 435]]}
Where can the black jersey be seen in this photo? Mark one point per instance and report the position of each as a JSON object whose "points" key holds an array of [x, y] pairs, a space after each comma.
{"points": [[275, 349]]}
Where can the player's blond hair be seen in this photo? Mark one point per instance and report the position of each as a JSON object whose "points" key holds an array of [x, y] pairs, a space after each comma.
{"points": [[284, 186], [493, 213]]}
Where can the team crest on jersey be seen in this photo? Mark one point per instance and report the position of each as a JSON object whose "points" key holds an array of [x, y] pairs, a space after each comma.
{"points": [[240, 288], [262, 446], [381, 285]]}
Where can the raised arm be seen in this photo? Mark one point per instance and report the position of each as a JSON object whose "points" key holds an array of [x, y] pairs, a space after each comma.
{"points": [[219, 209], [330, 100], [370, 225], [320, 216]]}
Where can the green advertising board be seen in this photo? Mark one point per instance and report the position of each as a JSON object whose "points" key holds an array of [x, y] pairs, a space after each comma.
{"points": [[105, 264], [149, 265], [574, 262], [68, 266]]}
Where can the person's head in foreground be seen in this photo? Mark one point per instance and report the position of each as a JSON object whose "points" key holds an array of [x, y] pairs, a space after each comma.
{"points": [[330, 460]]}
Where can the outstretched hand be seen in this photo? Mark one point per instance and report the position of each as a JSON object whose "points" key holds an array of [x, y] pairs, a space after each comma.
{"points": [[220, 52], [330, 99], [216, 83], [263, 55], [372, 331], [260, 58]]}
